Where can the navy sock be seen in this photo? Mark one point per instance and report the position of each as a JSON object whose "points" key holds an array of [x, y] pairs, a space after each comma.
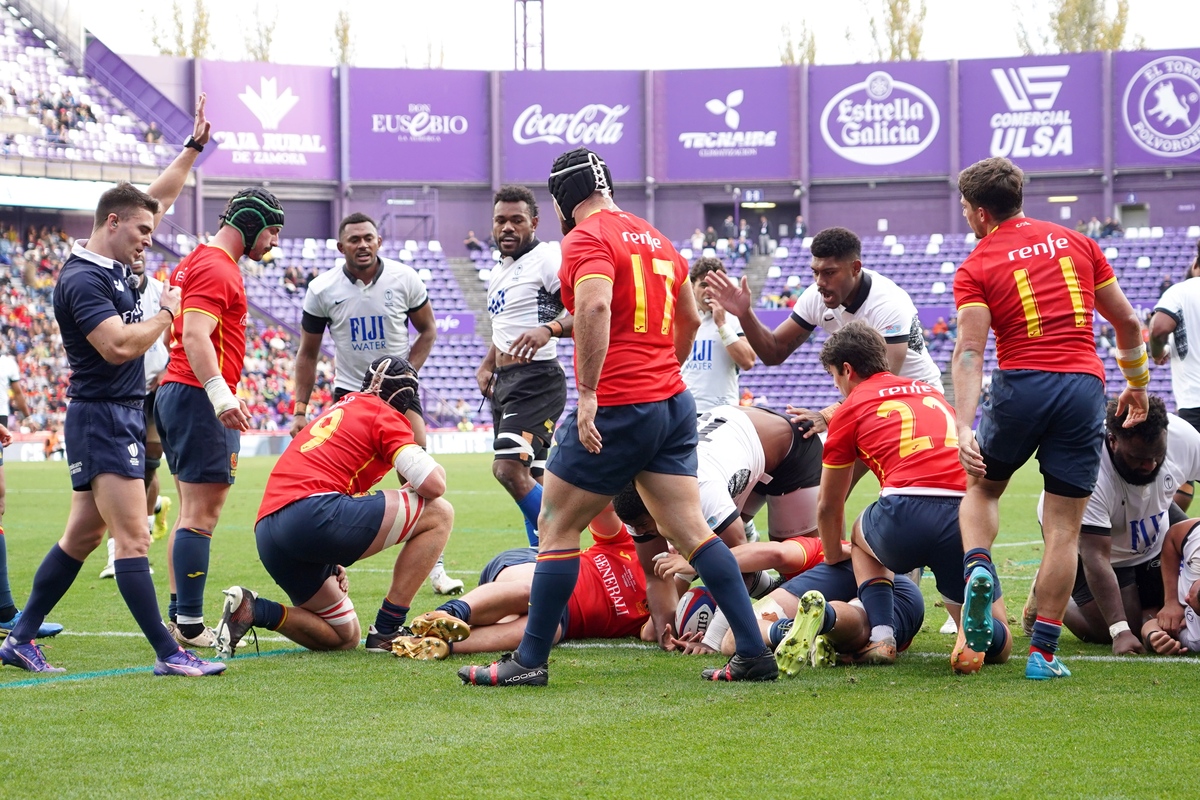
{"points": [[190, 558], [8, 608], [458, 609], [50, 583], [268, 614], [829, 621], [879, 599], [531, 507], [779, 631], [1045, 636], [137, 588], [173, 607], [390, 618], [553, 581], [1000, 636], [719, 570], [979, 557]]}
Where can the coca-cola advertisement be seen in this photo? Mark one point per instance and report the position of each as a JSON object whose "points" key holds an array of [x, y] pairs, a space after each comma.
{"points": [[419, 125], [543, 114]]}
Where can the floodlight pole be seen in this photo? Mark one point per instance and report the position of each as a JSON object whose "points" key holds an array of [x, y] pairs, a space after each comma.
{"points": [[529, 34]]}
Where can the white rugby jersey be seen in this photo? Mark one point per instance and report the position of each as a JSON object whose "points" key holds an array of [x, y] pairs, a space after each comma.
{"points": [[1189, 573], [885, 307], [1137, 515], [156, 358], [731, 462], [9, 374], [524, 294], [710, 372], [1181, 302], [366, 320]]}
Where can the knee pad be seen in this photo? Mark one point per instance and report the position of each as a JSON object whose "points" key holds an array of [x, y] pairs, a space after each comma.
{"points": [[514, 446]]}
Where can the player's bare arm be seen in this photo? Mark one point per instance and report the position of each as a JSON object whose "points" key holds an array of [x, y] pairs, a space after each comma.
{"points": [[306, 378], [1095, 550], [18, 399], [593, 316], [1170, 618], [1162, 325], [687, 322], [485, 372], [831, 513], [773, 347], [426, 326], [202, 356], [740, 350], [973, 325], [526, 346], [661, 596], [1112, 304], [118, 343], [169, 184]]}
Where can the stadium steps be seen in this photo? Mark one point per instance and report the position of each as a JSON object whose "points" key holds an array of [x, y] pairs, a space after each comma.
{"points": [[756, 273], [474, 291]]}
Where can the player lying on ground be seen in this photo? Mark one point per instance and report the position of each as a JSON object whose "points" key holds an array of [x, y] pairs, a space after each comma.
{"points": [[905, 431], [316, 518], [815, 616], [1177, 628], [609, 601], [1118, 582]]}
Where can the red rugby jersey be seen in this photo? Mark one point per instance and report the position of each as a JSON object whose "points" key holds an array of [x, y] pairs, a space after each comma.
{"points": [[904, 430], [1039, 280], [347, 450], [211, 284], [609, 601], [646, 275]]}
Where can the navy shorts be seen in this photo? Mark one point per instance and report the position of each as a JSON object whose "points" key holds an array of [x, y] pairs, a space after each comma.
{"points": [[836, 582], [643, 437], [104, 439], [302, 544], [199, 449], [509, 558], [1147, 576], [1060, 415], [911, 531]]}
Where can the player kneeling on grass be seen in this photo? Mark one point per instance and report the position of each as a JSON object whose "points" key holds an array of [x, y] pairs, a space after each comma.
{"points": [[316, 518], [816, 619], [906, 432], [608, 602]]}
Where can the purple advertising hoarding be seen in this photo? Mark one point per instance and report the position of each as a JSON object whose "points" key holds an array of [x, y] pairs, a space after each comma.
{"points": [[878, 120], [1043, 112], [1156, 104], [271, 121], [544, 114], [419, 125], [456, 323], [733, 124]]}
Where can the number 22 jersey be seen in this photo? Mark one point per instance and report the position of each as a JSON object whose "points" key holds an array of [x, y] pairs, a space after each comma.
{"points": [[647, 275]]}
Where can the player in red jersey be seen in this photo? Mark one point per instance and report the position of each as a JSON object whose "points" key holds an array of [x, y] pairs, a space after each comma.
{"points": [[609, 601], [198, 416], [1037, 285], [317, 518], [905, 431], [635, 318]]}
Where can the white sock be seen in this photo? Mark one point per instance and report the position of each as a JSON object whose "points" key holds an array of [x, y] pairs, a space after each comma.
{"points": [[158, 504], [112, 551], [881, 632]]}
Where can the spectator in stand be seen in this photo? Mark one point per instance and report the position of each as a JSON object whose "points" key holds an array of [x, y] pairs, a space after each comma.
{"points": [[952, 327], [472, 244], [293, 279], [697, 241], [310, 276], [940, 330], [729, 229], [747, 398], [1111, 228], [764, 236], [710, 236], [153, 134], [1081, 226], [465, 425], [801, 229], [463, 409], [1165, 283], [1094, 228]]}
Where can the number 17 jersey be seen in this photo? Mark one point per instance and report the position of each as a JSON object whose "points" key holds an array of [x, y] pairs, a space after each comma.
{"points": [[647, 275]]}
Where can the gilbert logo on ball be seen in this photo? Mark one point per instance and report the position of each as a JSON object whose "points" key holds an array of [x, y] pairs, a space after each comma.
{"points": [[880, 121], [1162, 106]]}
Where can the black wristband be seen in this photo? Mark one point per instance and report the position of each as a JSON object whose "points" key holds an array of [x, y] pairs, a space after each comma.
{"points": [[169, 311], [547, 327], [192, 143]]}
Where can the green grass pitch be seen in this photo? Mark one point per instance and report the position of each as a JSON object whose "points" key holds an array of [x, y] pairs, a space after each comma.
{"points": [[618, 719]]}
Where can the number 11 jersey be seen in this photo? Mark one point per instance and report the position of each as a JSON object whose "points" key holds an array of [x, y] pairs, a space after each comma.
{"points": [[647, 275]]}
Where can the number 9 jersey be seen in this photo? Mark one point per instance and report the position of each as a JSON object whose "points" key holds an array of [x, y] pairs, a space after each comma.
{"points": [[647, 275], [906, 433], [346, 450]]}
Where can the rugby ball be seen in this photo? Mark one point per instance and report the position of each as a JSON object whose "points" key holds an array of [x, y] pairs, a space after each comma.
{"points": [[695, 611]]}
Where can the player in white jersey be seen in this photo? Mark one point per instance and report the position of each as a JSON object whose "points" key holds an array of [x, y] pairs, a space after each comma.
{"points": [[1177, 628], [720, 351], [366, 305], [1175, 314], [1118, 583], [520, 373], [842, 291]]}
